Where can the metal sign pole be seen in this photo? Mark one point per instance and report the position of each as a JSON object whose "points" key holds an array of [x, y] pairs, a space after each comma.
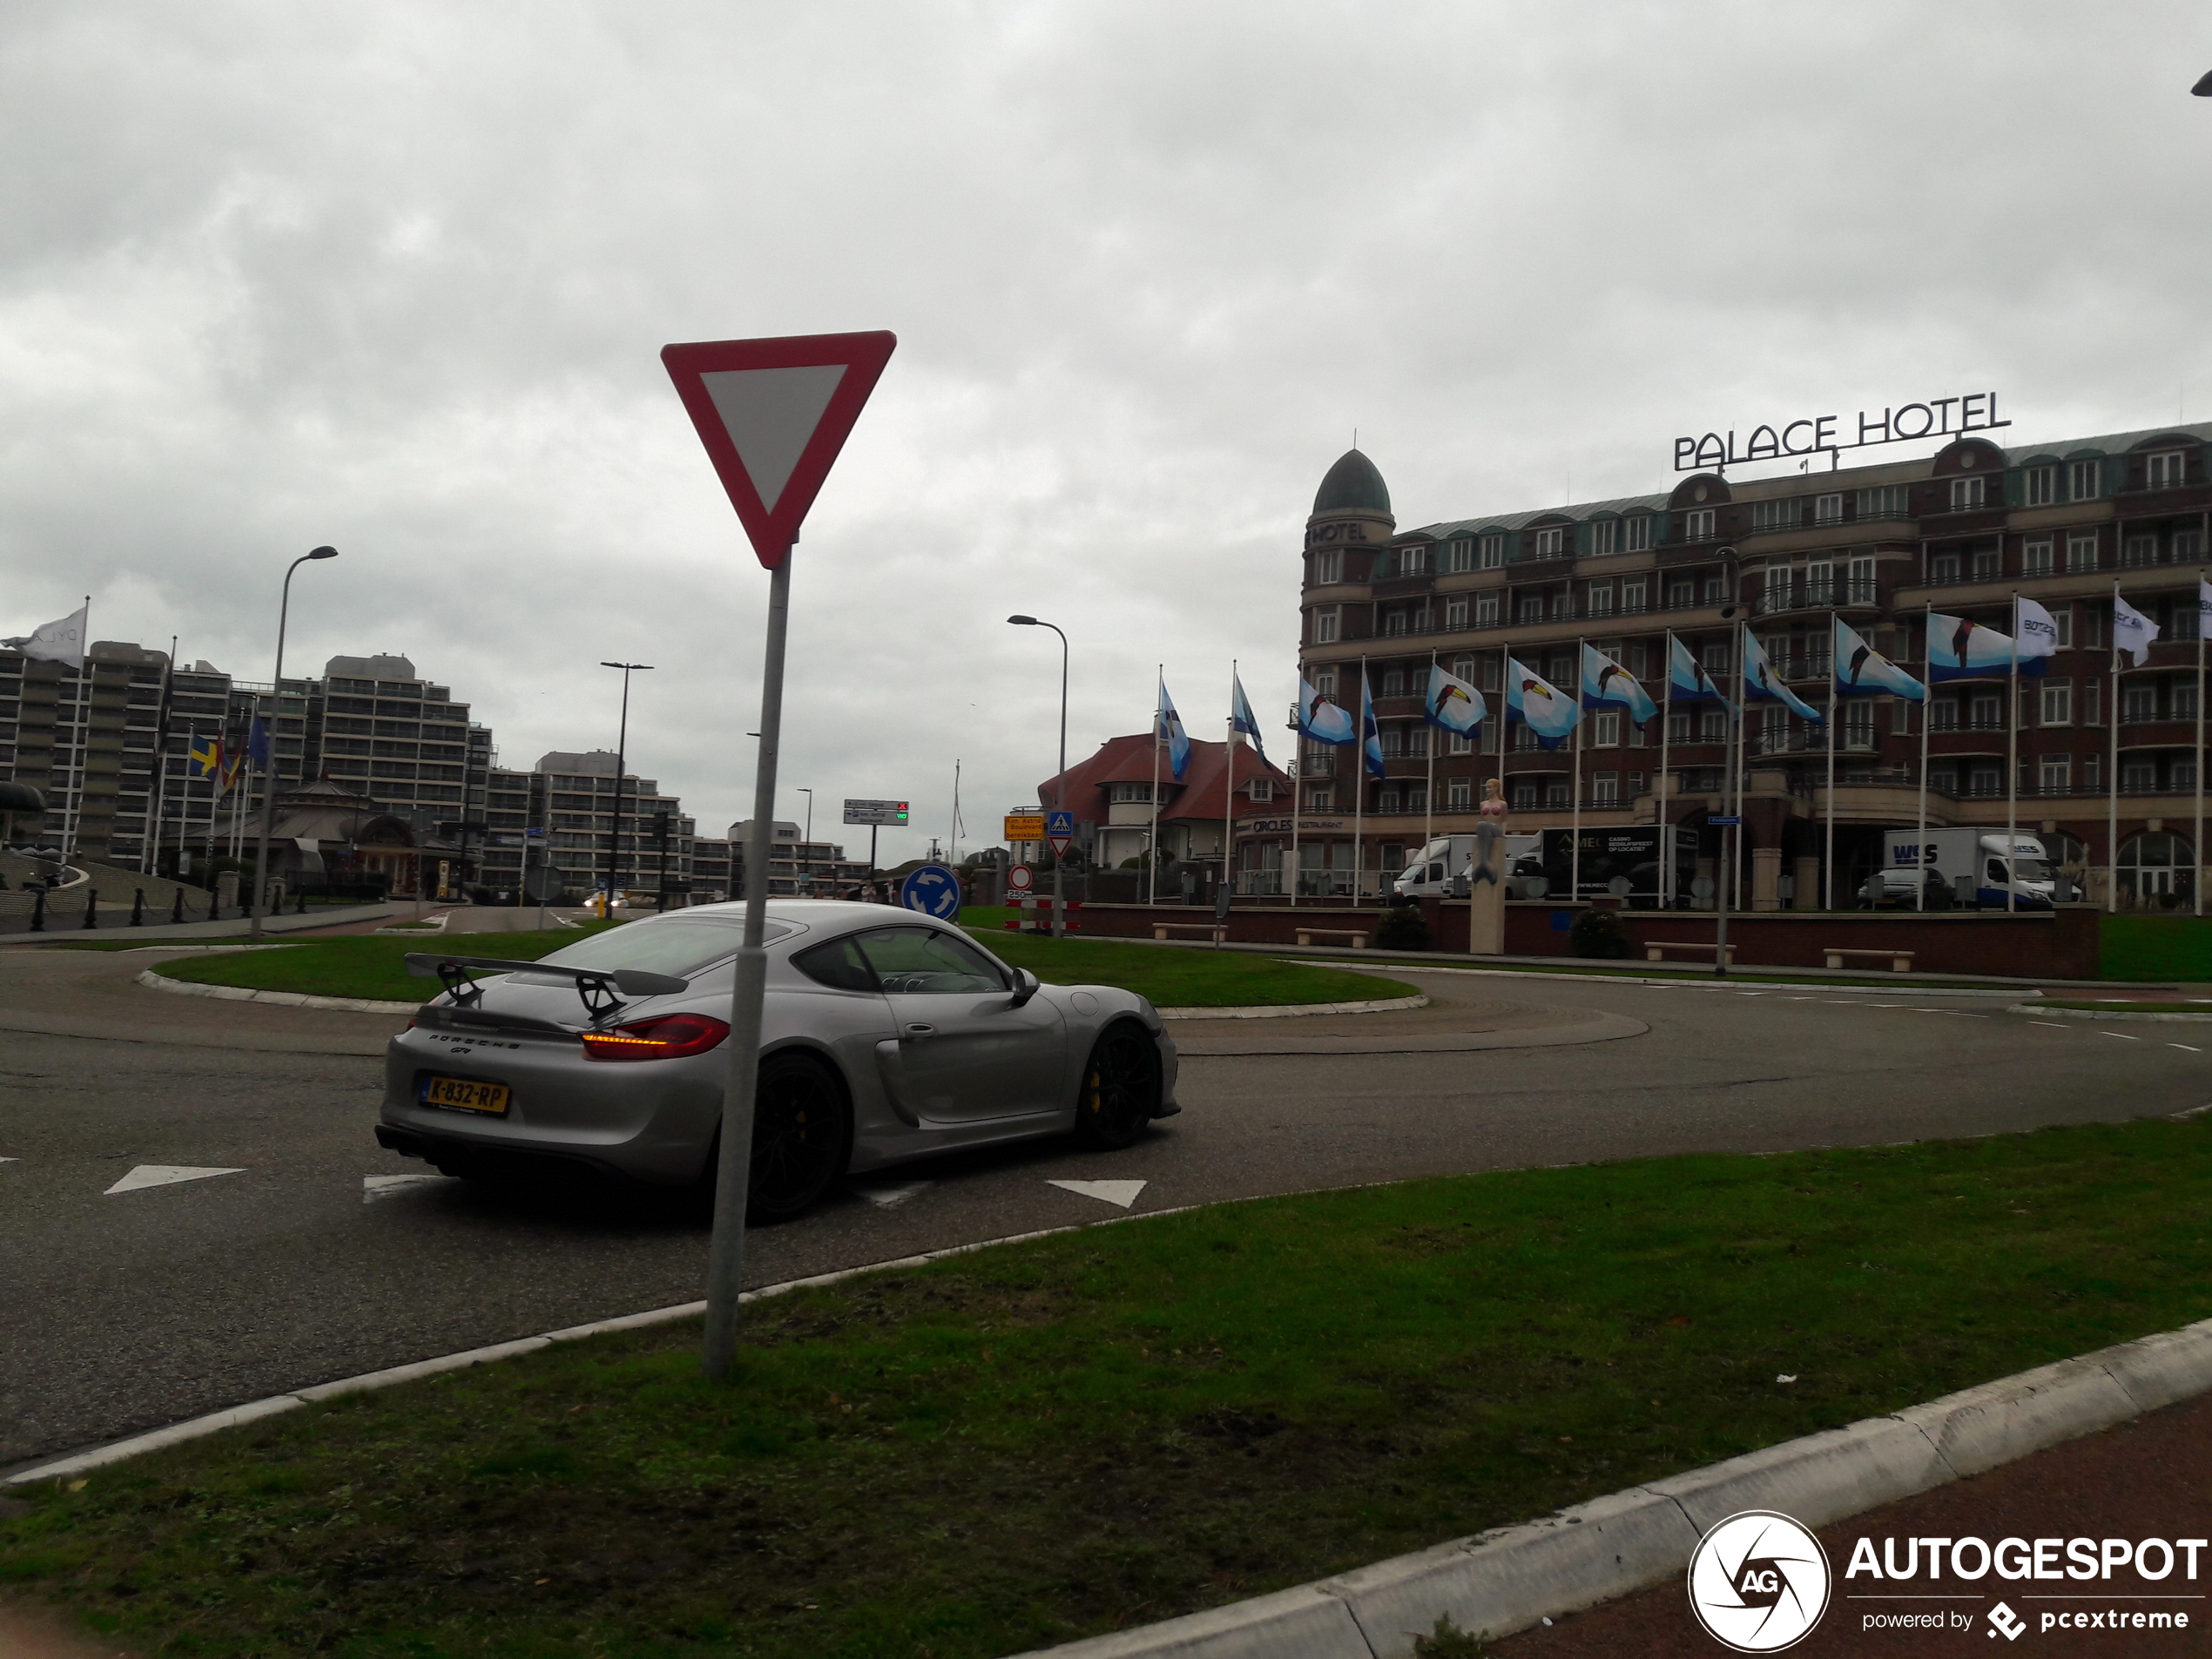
{"points": [[733, 1166]]}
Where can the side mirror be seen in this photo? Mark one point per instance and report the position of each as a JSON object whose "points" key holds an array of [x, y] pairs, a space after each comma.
{"points": [[1025, 986]]}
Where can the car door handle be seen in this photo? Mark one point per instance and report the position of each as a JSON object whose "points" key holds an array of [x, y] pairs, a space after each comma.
{"points": [[919, 1029]]}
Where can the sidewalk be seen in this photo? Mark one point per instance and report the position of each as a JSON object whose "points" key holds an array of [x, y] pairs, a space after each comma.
{"points": [[2150, 1477]]}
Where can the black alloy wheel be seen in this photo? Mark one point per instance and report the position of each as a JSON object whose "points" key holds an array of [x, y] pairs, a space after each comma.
{"points": [[1121, 1088], [802, 1137]]}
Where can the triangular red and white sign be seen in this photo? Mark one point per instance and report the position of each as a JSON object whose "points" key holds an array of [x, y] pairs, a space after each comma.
{"points": [[773, 414]]}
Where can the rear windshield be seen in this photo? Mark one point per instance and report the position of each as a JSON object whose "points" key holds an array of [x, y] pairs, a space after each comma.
{"points": [[679, 947]]}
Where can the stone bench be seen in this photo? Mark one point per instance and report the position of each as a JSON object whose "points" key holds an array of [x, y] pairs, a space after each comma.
{"points": [[1900, 961], [1359, 938], [1212, 930], [1655, 950]]}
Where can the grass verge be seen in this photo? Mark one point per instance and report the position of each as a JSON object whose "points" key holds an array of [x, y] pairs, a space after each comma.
{"points": [[1112, 1426], [373, 966], [2154, 948], [1210, 979], [364, 965]]}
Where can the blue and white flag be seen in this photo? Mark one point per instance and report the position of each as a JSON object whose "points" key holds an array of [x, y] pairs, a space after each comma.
{"points": [[1549, 712], [1607, 684], [2132, 631], [1452, 703], [1687, 680], [1962, 649], [2037, 633], [2203, 609], [1172, 728], [1241, 718], [1759, 680], [1370, 733], [1322, 720], [1862, 672]]}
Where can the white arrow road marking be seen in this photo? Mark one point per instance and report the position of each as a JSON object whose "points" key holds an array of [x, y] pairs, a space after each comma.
{"points": [[383, 1186], [2170, 1045], [1121, 1194], [17, 1160], [886, 1197], [162, 1175]]}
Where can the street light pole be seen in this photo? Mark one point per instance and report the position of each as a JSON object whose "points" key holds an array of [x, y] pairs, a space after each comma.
{"points": [[276, 712], [806, 852], [621, 758], [1060, 779]]}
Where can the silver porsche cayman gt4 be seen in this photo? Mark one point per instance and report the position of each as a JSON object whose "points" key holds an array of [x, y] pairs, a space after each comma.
{"points": [[887, 1035]]}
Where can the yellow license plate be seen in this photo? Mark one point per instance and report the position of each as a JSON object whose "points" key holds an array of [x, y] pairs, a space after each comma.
{"points": [[465, 1095]]}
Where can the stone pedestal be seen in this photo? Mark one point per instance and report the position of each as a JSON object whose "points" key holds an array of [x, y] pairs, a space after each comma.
{"points": [[1807, 872], [226, 891], [1486, 906], [1766, 870]]}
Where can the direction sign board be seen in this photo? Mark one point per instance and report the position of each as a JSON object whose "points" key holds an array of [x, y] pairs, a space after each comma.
{"points": [[1060, 830], [1025, 826], [932, 889], [875, 812], [773, 414], [1020, 878]]}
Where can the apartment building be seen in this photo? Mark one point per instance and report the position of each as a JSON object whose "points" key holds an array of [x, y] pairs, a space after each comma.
{"points": [[561, 817], [797, 867], [1879, 545]]}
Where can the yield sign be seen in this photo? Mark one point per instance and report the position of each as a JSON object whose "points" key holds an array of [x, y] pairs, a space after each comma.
{"points": [[773, 414]]}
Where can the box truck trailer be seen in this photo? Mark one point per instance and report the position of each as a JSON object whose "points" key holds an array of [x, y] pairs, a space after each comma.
{"points": [[1631, 854], [1968, 867], [1445, 868]]}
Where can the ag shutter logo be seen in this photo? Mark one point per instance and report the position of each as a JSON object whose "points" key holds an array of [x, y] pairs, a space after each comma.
{"points": [[1759, 1581], [2008, 1624]]}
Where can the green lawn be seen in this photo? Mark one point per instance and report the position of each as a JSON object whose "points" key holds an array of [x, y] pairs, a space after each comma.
{"points": [[2154, 948], [373, 966], [1187, 978], [365, 964], [1046, 1440]]}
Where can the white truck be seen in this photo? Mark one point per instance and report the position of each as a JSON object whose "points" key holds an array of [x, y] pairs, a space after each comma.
{"points": [[1968, 867], [1445, 868]]}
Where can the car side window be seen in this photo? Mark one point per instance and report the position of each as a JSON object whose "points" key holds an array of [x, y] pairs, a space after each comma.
{"points": [[922, 961], [839, 965]]}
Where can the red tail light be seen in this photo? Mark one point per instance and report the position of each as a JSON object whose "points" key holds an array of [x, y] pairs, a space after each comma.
{"points": [[667, 1036]]}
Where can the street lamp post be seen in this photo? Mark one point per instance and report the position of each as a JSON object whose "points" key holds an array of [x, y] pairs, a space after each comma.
{"points": [[1732, 796], [1060, 779], [621, 758], [806, 852], [276, 712]]}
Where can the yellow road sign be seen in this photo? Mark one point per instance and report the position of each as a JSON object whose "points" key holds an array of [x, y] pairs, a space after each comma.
{"points": [[1025, 826]]}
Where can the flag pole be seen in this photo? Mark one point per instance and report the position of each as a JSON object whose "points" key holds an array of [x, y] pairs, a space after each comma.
{"points": [[1298, 783], [1666, 784], [1152, 836], [150, 841], [1574, 817], [1927, 718], [1428, 742], [951, 841], [74, 813], [2196, 848], [2112, 797], [1828, 852], [2012, 764], [1360, 788], [1721, 893], [1229, 783]]}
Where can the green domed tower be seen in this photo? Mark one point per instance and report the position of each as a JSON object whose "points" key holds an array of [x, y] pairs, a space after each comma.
{"points": [[1353, 506]]}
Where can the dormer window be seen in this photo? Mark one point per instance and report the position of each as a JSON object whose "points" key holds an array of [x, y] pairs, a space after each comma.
{"points": [[2167, 469], [1551, 543], [1262, 789]]}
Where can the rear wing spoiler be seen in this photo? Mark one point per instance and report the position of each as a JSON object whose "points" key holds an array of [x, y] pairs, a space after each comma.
{"points": [[597, 986]]}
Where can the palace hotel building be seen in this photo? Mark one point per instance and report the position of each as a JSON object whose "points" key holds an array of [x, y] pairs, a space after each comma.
{"points": [[1877, 545]]}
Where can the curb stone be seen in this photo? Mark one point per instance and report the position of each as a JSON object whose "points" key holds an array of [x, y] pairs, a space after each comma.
{"points": [[1500, 1582], [282, 999], [364, 1005], [2041, 1012]]}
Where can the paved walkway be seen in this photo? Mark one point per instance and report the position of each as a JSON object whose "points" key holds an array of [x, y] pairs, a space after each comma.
{"points": [[2149, 1478]]}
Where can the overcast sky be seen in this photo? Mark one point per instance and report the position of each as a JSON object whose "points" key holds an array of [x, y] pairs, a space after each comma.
{"points": [[396, 278]]}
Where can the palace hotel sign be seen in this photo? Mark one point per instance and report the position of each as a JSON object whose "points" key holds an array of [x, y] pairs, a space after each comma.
{"points": [[1816, 435]]}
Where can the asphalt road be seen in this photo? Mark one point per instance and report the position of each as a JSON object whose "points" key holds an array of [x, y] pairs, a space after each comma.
{"points": [[127, 1310]]}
